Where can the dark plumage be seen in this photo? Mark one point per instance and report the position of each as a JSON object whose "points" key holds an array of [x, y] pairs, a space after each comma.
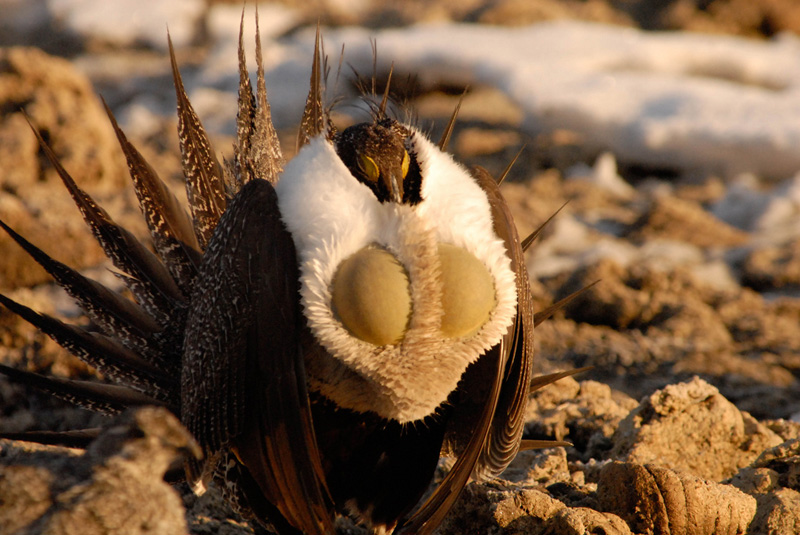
{"points": [[218, 307]]}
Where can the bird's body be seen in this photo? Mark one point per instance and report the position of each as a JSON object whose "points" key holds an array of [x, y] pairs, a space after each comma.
{"points": [[337, 323]]}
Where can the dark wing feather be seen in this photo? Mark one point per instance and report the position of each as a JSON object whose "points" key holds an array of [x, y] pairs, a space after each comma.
{"points": [[244, 379], [435, 508], [170, 226], [509, 421], [205, 185]]}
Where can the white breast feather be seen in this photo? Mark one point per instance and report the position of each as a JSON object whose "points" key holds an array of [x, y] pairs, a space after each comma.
{"points": [[331, 216]]}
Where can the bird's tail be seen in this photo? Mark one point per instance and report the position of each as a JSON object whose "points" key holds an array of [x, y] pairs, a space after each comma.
{"points": [[139, 346]]}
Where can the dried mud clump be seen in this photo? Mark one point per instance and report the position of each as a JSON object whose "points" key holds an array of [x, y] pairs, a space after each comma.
{"points": [[774, 480], [61, 104], [116, 486], [655, 499], [666, 470], [691, 427]]}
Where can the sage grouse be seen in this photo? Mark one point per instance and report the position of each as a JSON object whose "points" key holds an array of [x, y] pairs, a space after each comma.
{"points": [[326, 328]]}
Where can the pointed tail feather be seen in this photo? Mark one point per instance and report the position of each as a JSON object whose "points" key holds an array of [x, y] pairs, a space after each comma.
{"points": [[94, 396], [102, 353], [444, 141], [153, 286], [205, 185], [116, 315], [170, 226], [527, 444], [542, 315], [544, 380], [245, 116], [257, 151], [314, 121], [265, 154], [77, 438], [502, 176], [528, 241]]}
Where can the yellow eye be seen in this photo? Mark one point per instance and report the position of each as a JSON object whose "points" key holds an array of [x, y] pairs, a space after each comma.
{"points": [[406, 163], [369, 167]]}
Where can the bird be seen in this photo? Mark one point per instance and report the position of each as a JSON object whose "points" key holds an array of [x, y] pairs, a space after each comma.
{"points": [[326, 328]]}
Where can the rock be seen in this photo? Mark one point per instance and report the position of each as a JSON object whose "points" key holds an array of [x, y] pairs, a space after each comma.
{"points": [[475, 141], [582, 520], [778, 512], [612, 303], [741, 17], [517, 12], [658, 500], [62, 106], [525, 511], [685, 221], [774, 480], [773, 268], [775, 468], [659, 304], [543, 467], [116, 487], [691, 427], [587, 415]]}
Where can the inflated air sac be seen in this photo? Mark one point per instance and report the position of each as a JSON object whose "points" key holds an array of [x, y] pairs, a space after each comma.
{"points": [[468, 294], [371, 296]]}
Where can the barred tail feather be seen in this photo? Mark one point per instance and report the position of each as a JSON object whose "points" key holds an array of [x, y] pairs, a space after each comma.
{"points": [[266, 152], [99, 397], [76, 438], [117, 316], [170, 226], [245, 117], [314, 121], [104, 354], [205, 184], [152, 285], [257, 151]]}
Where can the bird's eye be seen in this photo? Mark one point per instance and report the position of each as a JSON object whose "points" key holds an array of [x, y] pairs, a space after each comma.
{"points": [[406, 163], [369, 167]]}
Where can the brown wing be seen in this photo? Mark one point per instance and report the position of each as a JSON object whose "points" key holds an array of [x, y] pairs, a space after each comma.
{"points": [[489, 404], [243, 383], [509, 418]]}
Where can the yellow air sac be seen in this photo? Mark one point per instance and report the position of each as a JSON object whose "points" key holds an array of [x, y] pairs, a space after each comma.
{"points": [[468, 295], [371, 296]]}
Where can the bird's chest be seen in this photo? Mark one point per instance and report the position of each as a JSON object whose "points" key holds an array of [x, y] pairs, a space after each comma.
{"points": [[398, 299]]}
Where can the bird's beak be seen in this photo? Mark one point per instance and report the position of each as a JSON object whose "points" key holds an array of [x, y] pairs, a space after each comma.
{"points": [[394, 186]]}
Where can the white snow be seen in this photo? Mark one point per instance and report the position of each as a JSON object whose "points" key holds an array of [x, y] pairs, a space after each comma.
{"points": [[127, 22], [678, 100], [603, 174]]}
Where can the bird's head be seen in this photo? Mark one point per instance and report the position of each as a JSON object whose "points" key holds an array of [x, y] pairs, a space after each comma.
{"points": [[376, 153]]}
